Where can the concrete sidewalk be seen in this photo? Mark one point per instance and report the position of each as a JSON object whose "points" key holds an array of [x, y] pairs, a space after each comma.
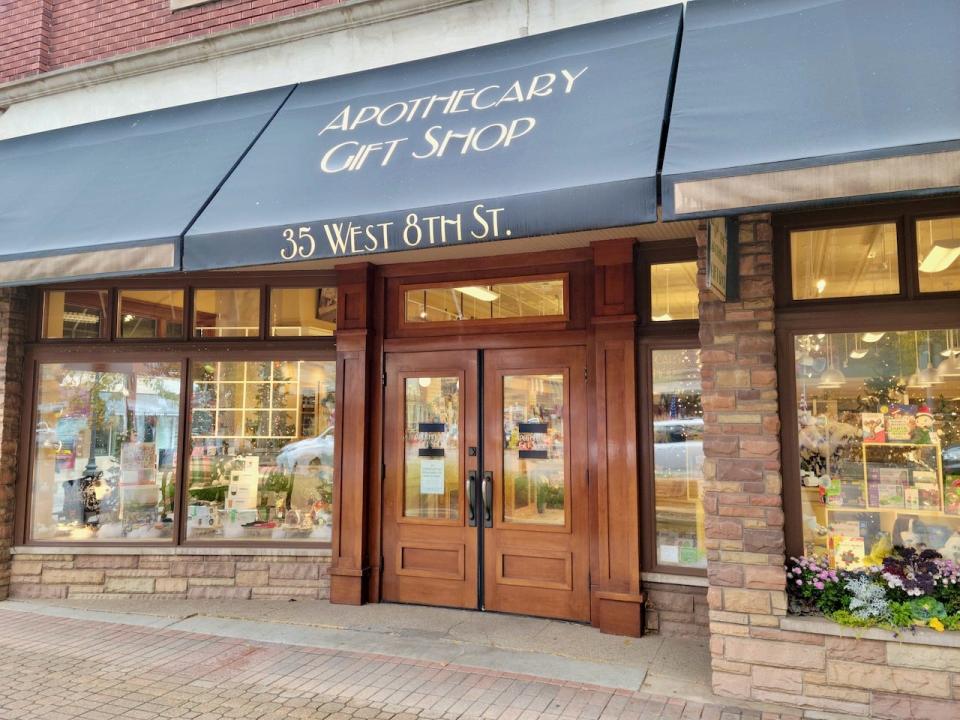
{"points": [[534, 648]]}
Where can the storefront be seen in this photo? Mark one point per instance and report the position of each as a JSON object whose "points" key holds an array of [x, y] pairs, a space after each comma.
{"points": [[515, 330]]}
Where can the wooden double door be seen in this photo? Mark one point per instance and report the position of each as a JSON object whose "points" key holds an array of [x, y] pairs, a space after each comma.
{"points": [[485, 481]]}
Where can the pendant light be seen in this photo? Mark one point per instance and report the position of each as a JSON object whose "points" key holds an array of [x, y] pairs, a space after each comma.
{"points": [[929, 374], [942, 254], [666, 317], [872, 337], [950, 367], [832, 377], [858, 353]]}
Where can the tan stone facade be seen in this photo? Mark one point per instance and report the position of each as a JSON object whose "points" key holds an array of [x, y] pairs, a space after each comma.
{"points": [[676, 610], [758, 651], [221, 574]]}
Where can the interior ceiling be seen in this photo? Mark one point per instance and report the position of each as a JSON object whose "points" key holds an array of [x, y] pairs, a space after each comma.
{"points": [[651, 232]]}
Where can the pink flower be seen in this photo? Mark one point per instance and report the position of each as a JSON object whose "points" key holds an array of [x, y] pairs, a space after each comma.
{"points": [[818, 585], [799, 581]]}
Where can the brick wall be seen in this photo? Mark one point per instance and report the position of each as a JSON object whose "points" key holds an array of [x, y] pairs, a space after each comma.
{"points": [[24, 37], [41, 35], [217, 575], [13, 322], [676, 610]]}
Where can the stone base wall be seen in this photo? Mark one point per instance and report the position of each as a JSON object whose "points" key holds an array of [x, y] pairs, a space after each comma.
{"points": [[81, 575], [824, 668], [676, 610]]}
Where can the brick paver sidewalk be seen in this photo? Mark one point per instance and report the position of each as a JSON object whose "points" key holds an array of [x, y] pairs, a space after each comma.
{"points": [[57, 668]]}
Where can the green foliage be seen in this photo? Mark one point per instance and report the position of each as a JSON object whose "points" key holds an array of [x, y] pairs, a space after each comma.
{"points": [[900, 614], [833, 598], [845, 617], [926, 608]]}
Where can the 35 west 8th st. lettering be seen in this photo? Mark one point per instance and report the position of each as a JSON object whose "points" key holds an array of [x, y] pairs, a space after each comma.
{"points": [[350, 238]]}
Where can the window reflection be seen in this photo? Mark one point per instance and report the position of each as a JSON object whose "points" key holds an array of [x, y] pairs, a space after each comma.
{"points": [[261, 465], [486, 301], [151, 313], [105, 451], [938, 254], [678, 458], [879, 441], [534, 459], [673, 292], [299, 312], [74, 314], [432, 448], [845, 262], [230, 312]]}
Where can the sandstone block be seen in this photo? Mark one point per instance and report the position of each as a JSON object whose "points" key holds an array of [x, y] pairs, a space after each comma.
{"points": [[193, 569], [746, 601], [171, 585], [129, 585], [218, 592], [72, 577], [922, 656], [775, 654], [295, 571], [113, 562], [26, 567], [886, 678], [252, 578], [285, 592], [789, 681], [869, 651], [896, 707], [35, 591], [731, 685]]}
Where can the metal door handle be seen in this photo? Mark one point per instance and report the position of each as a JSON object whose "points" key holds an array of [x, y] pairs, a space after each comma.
{"points": [[472, 498], [487, 499]]}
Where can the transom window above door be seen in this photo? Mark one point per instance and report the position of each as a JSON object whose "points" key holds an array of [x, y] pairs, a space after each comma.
{"points": [[542, 298]]}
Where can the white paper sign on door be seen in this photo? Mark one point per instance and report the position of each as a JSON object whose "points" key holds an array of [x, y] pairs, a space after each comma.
{"points": [[431, 477]]}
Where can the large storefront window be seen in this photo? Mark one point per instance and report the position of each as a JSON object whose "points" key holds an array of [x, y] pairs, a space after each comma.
{"points": [[261, 463], [678, 458], [879, 442], [105, 451]]}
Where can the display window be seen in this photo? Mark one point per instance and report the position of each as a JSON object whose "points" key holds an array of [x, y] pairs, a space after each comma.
{"points": [[190, 413], [261, 458], [878, 429], [105, 451], [938, 253], [677, 416], [670, 409]]}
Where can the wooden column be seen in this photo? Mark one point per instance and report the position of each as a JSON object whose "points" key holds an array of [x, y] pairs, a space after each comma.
{"points": [[616, 597], [350, 568]]}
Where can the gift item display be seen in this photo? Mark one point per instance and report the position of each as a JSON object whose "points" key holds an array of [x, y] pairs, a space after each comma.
{"points": [[879, 435], [261, 460], [678, 458], [105, 451]]}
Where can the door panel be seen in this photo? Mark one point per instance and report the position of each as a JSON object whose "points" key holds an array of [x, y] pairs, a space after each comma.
{"points": [[536, 546], [431, 417]]}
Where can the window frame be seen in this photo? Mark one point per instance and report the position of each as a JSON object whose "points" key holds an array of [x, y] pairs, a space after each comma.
{"points": [[486, 324], [903, 215], [264, 281], [651, 335], [185, 350], [118, 316]]}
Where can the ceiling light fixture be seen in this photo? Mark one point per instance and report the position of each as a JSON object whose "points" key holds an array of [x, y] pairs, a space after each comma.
{"points": [[941, 256], [821, 286], [872, 337], [479, 293]]}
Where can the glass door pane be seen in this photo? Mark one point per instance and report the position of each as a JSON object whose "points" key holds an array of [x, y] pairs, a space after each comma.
{"points": [[534, 457], [432, 448]]}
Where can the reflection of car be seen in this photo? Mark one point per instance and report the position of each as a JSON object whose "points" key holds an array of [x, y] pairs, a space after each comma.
{"points": [[678, 448], [951, 460], [303, 452]]}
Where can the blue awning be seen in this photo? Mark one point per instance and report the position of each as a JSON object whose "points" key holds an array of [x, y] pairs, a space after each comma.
{"points": [[115, 197], [552, 133], [794, 102]]}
